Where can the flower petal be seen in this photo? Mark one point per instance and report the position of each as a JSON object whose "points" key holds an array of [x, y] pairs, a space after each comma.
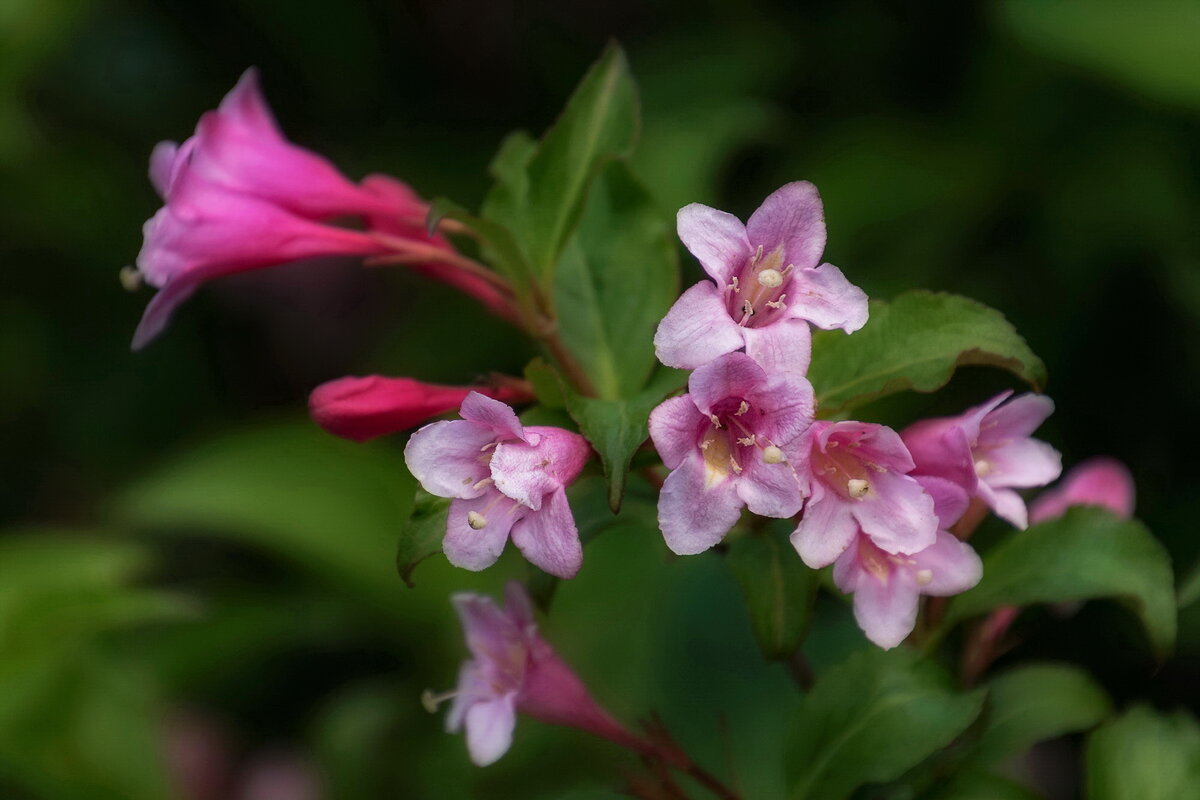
{"points": [[549, 539], [942, 447], [824, 297], [717, 239], [520, 473], [732, 375], [1103, 482], [1022, 463], [160, 308], [781, 346], [791, 216], [825, 531], [788, 405], [478, 549], [494, 414], [444, 457], [1016, 419], [886, 610], [950, 500], [769, 490], [952, 566], [897, 514], [675, 427], [692, 515], [1007, 504], [697, 329], [490, 727]]}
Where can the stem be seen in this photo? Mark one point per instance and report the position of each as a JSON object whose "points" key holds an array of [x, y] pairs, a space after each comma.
{"points": [[571, 367], [801, 671], [408, 251]]}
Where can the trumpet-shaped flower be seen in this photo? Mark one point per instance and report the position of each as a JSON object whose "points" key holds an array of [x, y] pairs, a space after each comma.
{"points": [[988, 451], [512, 669], [856, 476], [730, 442], [1103, 482], [363, 408], [766, 285], [505, 480]]}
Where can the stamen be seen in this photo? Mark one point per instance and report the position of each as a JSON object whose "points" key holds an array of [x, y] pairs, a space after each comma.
{"points": [[131, 279], [770, 278], [488, 446], [748, 441], [778, 304], [476, 520], [482, 483], [787, 270], [733, 462], [758, 253], [735, 285], [430, 699], [857, 488], [742, 409], [924, 577], [716, 421], [772, 454]]}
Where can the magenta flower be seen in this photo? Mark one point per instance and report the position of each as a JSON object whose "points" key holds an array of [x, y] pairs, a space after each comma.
{"points": [[363, 408], [856, 476], [730, 442], [239, 196], [988, 451], [1103, 482], [767, 289], [503, 479], [512, 669]]}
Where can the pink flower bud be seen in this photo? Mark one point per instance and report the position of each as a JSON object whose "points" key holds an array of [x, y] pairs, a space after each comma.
{"points": [[1103, 482]]}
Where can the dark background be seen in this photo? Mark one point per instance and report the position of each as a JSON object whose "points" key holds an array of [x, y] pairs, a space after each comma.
{"points": [[1039, 157]]}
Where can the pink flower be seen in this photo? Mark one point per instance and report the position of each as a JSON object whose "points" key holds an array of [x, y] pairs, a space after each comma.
{"points": [[503, 478], [767, 289], [730, 442], [887, 586], [856, 474], [1103, 482], [513, 670], [239, 196], [364, 408], [988, 451]]}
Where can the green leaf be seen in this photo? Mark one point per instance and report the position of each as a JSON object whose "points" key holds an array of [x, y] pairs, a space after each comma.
{"points": [[870, 719], [977, 785], [422, 534], [778, 588], [1189, 587], [616, 428], [616, 280], [1144, 755], [1035, 702], [915, 342], [1086, 553]]}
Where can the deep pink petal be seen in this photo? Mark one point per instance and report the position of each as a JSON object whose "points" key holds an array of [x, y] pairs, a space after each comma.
{"points": [[494, 414], [791, 216], [246, 105], [696, 507], [444, 457], [825, 531], [477, 549], [1016, 419], [490, 727], [732, 375], [769, 490], [947, 567], [824, 297], [697, 329], [1103, 482], [942, 448], [950, 500], [160, 308], [1021, 463], [675, 427], [782, 346], [896, 513], [717, 240], [548, 537], [163, 165]]}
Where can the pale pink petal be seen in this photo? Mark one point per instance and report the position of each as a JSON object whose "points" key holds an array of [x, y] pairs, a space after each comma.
{"points": [[791, 216], [1007, 504], [163, 166], [549, 539], [1021, 463], [950, 500], [697, 329], [1016, 419], [732, 376], [870, 442], [517, 605], [717, 240], [518, 470], [490, 727], [947, 567], [675, 427], [896, 513], [825, 531], [886, 610], [488, 630], [1103, 482], [824, 297], [788, 405], [769, 490], [477, 549], [563, 453], [696, 508], [781, 346], [160, 308], [494, 414], [444, 458]]}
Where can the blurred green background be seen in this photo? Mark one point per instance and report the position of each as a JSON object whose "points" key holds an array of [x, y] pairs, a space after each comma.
{"points": [[192, 569]]}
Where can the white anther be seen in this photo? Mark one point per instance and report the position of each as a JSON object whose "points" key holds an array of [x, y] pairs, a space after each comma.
{"points": [[778, 305], [716, 421], [924, 577], [982, 468], [742, 409], [480, 485], [735, 285], [736, 466], [758, 253], [770, 278], [857, 487], [431, 699], [131, 279], [748, 441], [772, 454], [476, 520]]}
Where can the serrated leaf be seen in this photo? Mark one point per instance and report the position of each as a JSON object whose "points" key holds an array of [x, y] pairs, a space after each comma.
{"points": [[871, 718], [1144, 755], [616, 428], [422, 534], [1087, 553], [915, 342], [779, 590], [1034, 702], [616, 280]]}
